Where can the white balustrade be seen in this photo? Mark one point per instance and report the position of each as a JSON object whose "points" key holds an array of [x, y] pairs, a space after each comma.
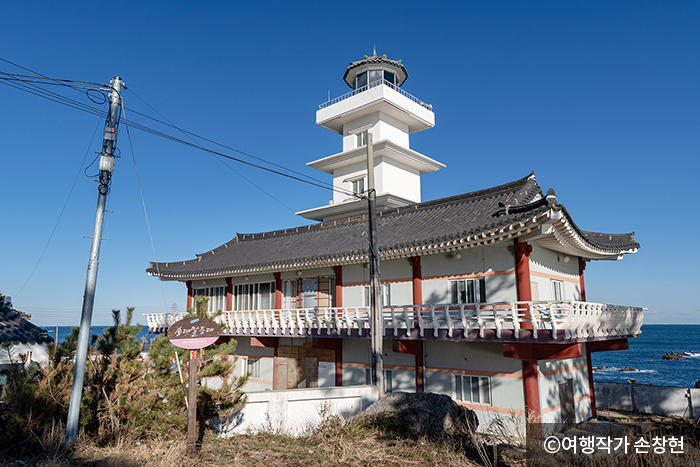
{"points": [[577, 320]]}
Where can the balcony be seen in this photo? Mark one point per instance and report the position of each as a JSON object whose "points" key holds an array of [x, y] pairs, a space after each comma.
{"points": [[378, 96], [541, 321]]}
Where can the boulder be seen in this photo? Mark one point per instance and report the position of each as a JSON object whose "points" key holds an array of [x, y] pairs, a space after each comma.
{"points": [[697, 384], [627, 368], [632, 381], [420, 414], [672, 356]]}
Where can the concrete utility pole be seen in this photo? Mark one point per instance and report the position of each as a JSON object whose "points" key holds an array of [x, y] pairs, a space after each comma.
{"points": [[106, 169], [375, 298]]}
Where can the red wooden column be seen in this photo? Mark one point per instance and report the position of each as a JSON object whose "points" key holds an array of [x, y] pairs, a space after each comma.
{"points": [[417, 281], [581, 267], [522, 270], [338, 286], [589, 364], [278, 290], [229, 294], [189, 294], [530, 371], [418, 300]]}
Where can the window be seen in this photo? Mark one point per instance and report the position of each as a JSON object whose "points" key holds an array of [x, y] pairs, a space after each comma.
{"points": [[385, 294], [557, 290], [476, 389], [254, 296], [216, 295], [358, 187], [253, 367], [362, 139], [375, 77], [468, 291], [388, 381]]}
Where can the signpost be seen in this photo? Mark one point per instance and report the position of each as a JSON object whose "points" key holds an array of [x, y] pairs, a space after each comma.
{"points": [[192, 334]]}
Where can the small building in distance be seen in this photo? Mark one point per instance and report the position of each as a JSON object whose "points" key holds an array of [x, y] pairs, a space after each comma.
{"points": [[483, 293], [21, 342]]}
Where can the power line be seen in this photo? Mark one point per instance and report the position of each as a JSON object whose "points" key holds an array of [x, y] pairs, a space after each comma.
{"points": [[33, 89], [60, 216], [172, 125]]}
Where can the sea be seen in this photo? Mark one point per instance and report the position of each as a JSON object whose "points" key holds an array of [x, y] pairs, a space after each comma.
{"points": [[59, 333], [644, 355]]}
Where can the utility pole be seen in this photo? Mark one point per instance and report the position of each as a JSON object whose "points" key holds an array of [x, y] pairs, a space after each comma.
{"points": [[375, 300], [106, 169]]}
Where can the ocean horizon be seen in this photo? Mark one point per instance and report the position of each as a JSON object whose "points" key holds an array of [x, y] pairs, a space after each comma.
{"points": [[644, 355]]}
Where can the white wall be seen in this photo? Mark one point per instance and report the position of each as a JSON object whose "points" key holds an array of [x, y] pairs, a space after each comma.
{"points": [[551, 372], [296, 411], [39, 353], [547, 265]]}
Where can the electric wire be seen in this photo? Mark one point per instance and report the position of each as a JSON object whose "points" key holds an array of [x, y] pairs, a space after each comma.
{"points": [[171, 124], [60, 216], [143, 201], [33, 89]]}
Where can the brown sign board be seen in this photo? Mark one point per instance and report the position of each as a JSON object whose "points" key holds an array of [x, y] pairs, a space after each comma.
{"points": [[194, 333]]}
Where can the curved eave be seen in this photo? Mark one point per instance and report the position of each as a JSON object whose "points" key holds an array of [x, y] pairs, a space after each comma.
{"points": [[560, 233]]}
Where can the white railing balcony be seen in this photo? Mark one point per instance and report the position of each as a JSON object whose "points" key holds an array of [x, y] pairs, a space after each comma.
{"points": [[396, 88], [561, 320]]}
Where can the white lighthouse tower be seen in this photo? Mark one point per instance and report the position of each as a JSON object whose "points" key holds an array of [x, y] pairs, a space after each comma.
{"points": [[379, 106]]}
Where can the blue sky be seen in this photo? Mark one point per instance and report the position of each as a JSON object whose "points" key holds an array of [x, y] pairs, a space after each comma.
{"points": [[600, 99]]}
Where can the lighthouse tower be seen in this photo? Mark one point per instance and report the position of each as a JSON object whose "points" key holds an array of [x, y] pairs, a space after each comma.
{"points": [[378, 105]]}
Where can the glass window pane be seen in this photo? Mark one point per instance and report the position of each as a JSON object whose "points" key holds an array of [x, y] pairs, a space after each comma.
{"points": [[361, 80], [389, 76], [462, 292], [475, 389], [458, 388], [482, 290], [375, 76], [471, 292], [486, 390], [265, 294]]}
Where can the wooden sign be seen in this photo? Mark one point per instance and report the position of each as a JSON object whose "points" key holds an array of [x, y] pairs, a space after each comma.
{"points": [[194, 333]]}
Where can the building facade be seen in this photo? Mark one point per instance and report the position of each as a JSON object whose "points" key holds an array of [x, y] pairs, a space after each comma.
{"points": [[483, 293]]}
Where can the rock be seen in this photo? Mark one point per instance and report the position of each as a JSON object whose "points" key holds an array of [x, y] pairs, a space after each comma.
{"points": [[628, 369], [632, 381], [697, 384], [599, 368], [420, 414], [672, 356]]}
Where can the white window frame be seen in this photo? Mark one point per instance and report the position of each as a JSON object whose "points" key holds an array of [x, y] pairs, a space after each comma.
{"points": [[248, 296], [216, 295], [557, 290], [457, 288], [252, 368], [479, 389], [361, 138], [385, 294], [388, 380]]}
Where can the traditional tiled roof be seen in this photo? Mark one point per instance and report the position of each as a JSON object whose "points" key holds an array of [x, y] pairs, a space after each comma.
{"points": [[375, 60], [17, 330], [497, 214]]}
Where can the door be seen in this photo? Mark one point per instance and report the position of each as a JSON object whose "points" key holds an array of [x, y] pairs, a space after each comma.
{"points": [[310, 293], [566, 401]]}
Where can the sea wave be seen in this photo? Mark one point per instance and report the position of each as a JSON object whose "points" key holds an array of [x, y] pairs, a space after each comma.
{"points": [[613, 369]]}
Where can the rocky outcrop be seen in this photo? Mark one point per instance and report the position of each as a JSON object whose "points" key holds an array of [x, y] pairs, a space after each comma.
{"points": [[420, 414], [627, 368], [673, 356]]}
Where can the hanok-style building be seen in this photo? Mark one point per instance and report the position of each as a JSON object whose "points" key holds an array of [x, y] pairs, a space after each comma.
{"points": [[483, 293], [22, 342]]}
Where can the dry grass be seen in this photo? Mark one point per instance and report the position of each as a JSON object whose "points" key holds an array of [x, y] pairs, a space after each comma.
{"points": [[333, 444]]}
